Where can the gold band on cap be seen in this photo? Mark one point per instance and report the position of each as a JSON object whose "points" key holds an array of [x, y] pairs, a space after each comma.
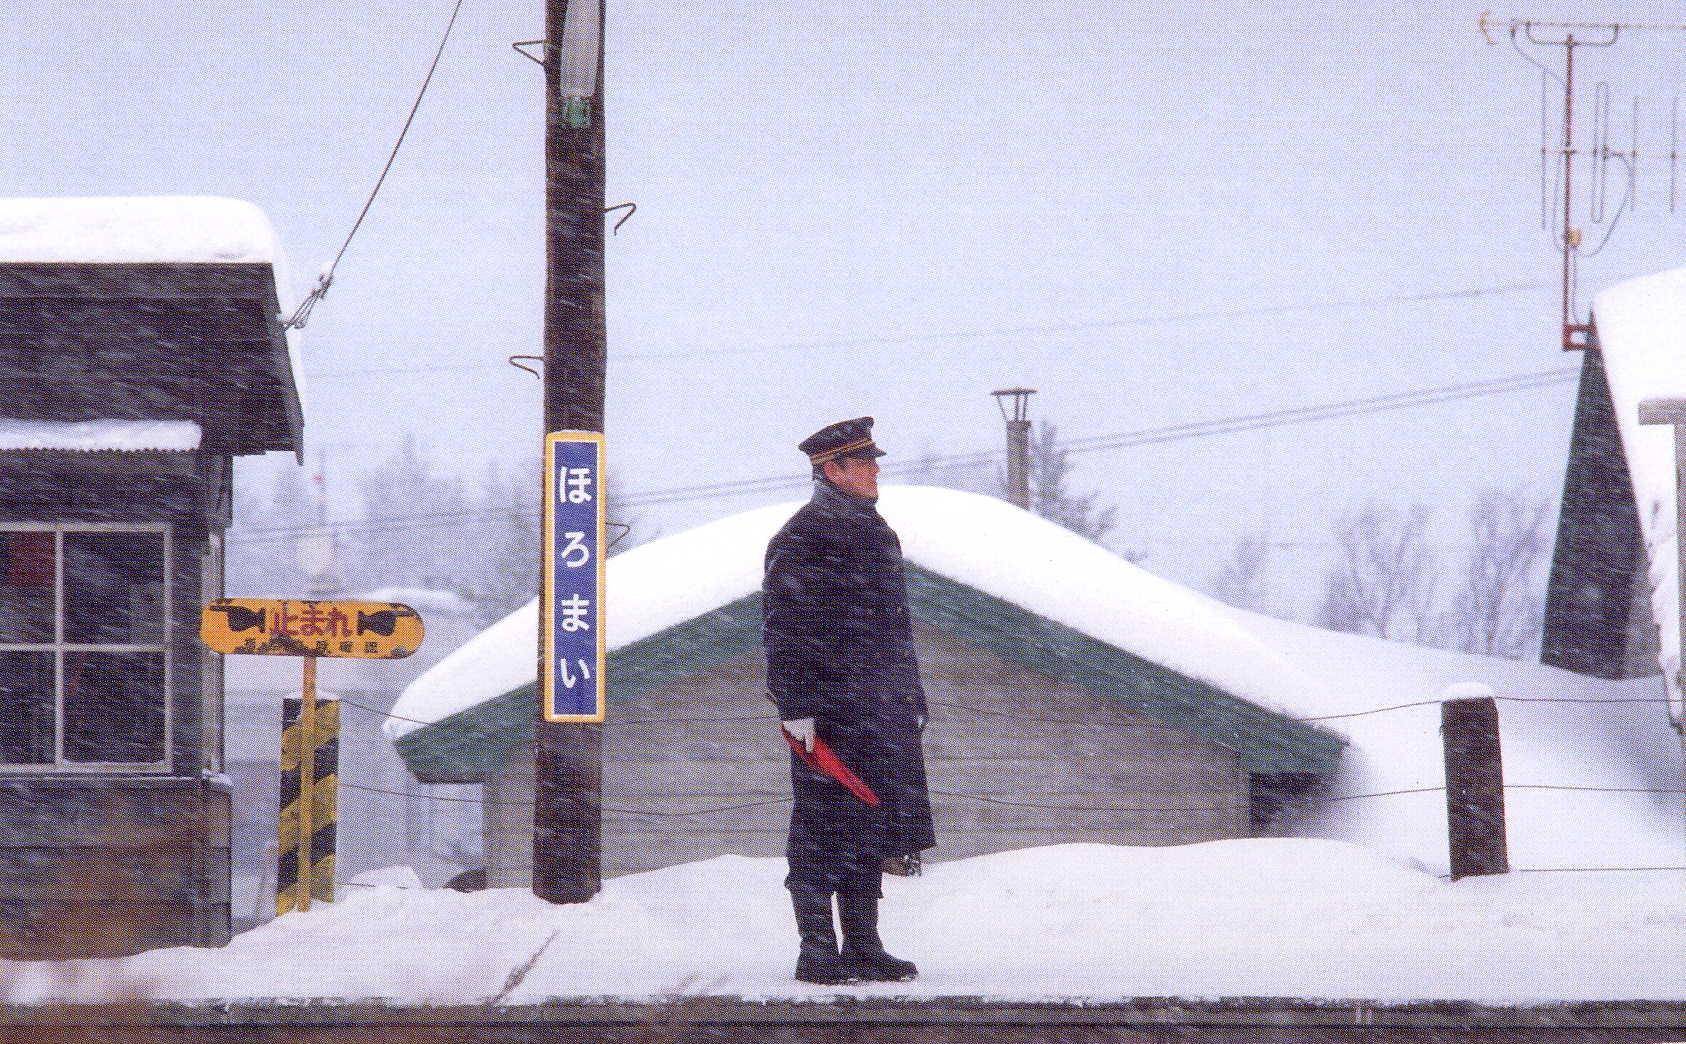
{"points": [[831, 454]]}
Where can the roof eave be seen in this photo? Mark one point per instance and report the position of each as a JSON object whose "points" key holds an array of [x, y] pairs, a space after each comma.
{"points": [[468, 744]]}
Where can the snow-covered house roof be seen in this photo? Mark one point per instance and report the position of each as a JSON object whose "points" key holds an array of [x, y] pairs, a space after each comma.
{"points": [[1641, 327], [148, 309], [135, 230], [99, 435], [1027, 589]]}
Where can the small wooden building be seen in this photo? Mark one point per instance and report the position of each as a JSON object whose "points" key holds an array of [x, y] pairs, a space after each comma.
{"points": [[1613, 604], [140, 352], [1073, 698], [1598, 600]]}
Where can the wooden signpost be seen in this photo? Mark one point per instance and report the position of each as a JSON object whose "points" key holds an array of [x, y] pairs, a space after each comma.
{"points": [[309, 746]]}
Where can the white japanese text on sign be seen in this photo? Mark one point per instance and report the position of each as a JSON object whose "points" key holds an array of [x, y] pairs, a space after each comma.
{"points": [[574, 649]]}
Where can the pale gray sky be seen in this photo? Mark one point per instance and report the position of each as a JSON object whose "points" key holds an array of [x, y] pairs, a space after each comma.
{"points": [[892, 208]]}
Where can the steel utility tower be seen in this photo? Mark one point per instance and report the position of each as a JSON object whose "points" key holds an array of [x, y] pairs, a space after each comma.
{"points": [[1558, 159]]}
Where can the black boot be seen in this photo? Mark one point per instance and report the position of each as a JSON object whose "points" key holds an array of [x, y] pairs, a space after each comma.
{"points": [[863, 953], [818, 960]]}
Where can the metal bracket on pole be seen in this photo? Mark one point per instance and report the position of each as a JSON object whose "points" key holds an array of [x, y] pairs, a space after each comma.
{"points": [[630, 208], [520, 47]]}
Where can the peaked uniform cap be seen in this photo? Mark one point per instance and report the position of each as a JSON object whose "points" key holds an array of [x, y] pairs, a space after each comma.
{"points": [[849, 438]]}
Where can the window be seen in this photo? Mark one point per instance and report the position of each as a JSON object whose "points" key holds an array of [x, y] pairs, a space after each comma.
{"points": [[83, 647]]}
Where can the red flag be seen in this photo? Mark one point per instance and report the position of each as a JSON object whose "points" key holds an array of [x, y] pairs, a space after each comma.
{"points": [[822, 760]]}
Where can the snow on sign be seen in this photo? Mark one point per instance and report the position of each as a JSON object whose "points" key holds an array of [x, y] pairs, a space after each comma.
{"points": [[298, 627], [572, 584]]}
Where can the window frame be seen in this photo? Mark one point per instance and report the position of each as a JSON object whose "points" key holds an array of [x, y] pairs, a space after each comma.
{"points": [[58, 647]]}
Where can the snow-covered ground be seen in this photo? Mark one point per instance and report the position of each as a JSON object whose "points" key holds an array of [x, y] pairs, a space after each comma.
{"points": [[1352, 906], [1557, 730], [1260, 917]]}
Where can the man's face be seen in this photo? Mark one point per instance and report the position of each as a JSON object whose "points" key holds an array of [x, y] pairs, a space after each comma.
{"points": [[856, 476]]}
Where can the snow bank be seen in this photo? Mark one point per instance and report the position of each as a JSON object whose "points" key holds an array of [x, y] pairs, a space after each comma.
{"points": [[128, 435], [1080, 923], [1547, 738], [136, 230], [1642, 334], [979, 541]]}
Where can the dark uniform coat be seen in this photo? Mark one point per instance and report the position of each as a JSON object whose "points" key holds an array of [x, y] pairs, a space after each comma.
{"points": [[840, 650]]}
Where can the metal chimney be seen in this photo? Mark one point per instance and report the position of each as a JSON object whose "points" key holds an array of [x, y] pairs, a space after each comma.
{"points": [[1018, 441]]}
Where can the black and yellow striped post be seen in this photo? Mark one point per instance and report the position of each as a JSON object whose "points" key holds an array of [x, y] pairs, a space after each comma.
{"points": [[309, 733], [309, 797]]}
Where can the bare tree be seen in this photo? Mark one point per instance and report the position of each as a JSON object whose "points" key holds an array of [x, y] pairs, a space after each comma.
{"points": [[1498, 610], [1383, 579], [1052, 498], [1240, 580], [509, 576], [418, 527]]}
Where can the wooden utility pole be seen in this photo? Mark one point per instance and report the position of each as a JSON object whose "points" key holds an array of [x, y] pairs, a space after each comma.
{"points": [[568, 758], [1475, 787]]}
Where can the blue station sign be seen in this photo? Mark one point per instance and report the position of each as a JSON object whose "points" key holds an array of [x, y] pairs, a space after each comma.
{"points": [[571, 605]]}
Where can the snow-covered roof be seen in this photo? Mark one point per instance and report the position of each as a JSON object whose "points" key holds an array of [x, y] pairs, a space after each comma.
{"points": [[87, 436], [978, 541], [1642, 335], [134, 230]]}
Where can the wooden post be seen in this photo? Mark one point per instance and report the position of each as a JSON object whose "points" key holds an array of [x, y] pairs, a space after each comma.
{"points": [[1475, 796], [568, 757], [307, 781], [1673, 412]]}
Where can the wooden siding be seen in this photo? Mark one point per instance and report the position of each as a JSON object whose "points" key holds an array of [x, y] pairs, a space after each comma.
{"points": [[197, 342], [470, 745], [1597, 612], [103, 866], [1103, 774], [93, 864]]}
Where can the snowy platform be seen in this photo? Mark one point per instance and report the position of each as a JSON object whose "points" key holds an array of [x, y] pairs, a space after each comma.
{"points": [[1307, 921]]}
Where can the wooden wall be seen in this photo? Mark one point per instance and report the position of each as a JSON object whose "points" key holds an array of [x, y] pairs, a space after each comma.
{"points": [[102, 866], [1105, 775], [1597, 611], [97, 864]]}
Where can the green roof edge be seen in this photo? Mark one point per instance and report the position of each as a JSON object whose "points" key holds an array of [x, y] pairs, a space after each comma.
{"points": [[469, 745]]}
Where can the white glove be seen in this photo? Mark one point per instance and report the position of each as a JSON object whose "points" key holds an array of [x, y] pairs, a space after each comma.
{"points": [[802, 731]]}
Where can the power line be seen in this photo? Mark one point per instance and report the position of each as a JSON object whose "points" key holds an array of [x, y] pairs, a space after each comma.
{"points": [[301, 315], [1169, 433], [996, 331], [1416, 398], [1100, 324]]}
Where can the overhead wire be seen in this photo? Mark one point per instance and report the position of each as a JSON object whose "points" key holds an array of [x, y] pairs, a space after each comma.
{"points": [[1118, 440], [1031, 329], [301, 315], [1083, 802]]}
